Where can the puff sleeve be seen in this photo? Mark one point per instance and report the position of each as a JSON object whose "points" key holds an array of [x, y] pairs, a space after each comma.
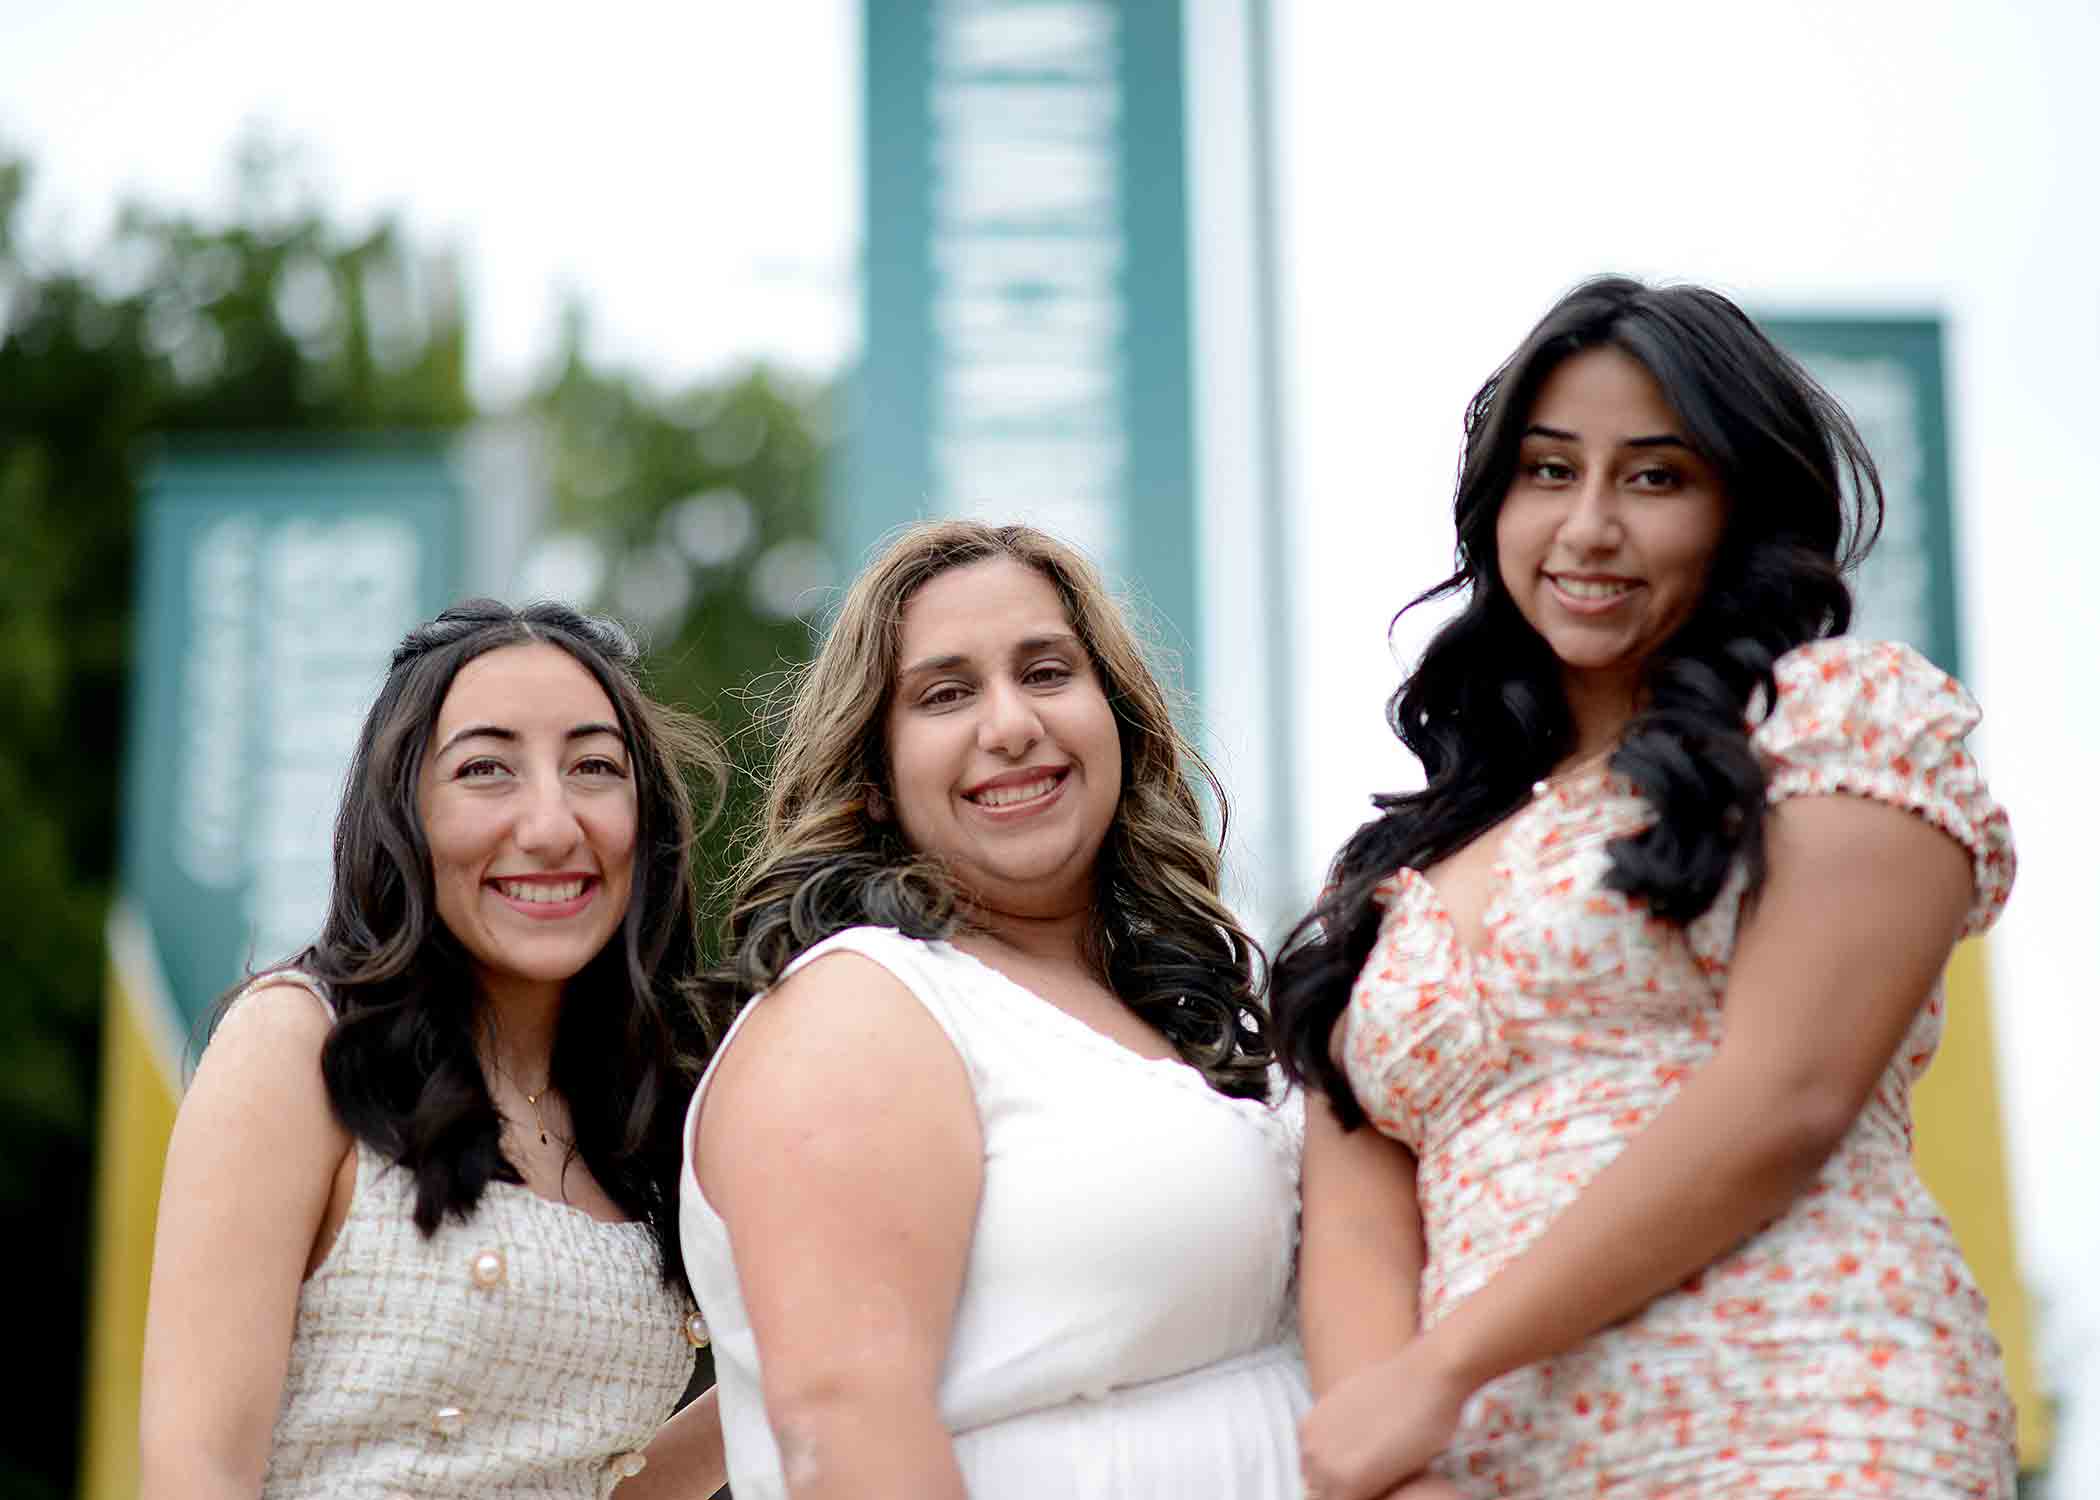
{"points": [[1876, 719]]}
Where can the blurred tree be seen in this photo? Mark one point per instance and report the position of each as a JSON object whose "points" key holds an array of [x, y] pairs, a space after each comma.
{"points": [[276, 321], [696, 514]]}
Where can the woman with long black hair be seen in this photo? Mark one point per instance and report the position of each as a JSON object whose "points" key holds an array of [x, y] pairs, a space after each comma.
{"points": [[418, 1229], [1635, 989]]}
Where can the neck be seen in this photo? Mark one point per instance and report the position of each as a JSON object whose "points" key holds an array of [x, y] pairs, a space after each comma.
{"points": [[518, 1028], [1600, 712], [1061, 937]]}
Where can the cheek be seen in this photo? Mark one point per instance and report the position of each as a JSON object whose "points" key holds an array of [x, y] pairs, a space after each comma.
{"points": [[452, 844], [1692, 553], [619, 829], [1516, 543]]}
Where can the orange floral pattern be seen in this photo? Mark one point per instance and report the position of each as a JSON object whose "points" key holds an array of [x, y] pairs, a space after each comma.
{"points": [[1843, 1349]]}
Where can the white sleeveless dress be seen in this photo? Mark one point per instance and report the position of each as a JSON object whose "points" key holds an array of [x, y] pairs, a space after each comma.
{"points": [[1125, 1324], [532, 1350]]}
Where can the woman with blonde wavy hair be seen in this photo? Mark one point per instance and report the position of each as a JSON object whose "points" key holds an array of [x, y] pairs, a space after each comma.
{"points": [[983, 1191]]}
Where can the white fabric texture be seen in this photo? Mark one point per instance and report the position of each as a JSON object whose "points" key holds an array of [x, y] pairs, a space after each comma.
{"points": [[1124, 1327], [524, 1353]]}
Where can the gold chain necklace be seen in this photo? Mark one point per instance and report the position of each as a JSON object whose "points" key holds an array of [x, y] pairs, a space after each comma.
{"points": [[532, 1097]]}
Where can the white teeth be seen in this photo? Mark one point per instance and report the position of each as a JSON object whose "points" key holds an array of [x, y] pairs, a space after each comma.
{"points": [[539, 892], [1592, 588], [1006, 796]]}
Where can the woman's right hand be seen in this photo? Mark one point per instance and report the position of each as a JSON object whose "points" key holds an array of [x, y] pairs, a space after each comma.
{"points": [[839, 1142], [255, 1156], [1382, 1423]]}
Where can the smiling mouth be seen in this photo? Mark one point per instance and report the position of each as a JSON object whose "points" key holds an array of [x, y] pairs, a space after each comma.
{"points": [[1592, 590], [1013, 794], [543, 892]]}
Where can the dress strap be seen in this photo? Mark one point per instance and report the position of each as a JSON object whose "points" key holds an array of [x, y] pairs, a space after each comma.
{"points": [[298, 978]]}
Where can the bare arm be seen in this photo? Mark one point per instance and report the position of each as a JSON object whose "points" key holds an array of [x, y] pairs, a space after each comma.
{"points": [[1860, 908], [685, 1457], [1360, 1252], [839, 1142], [251, 1164]]}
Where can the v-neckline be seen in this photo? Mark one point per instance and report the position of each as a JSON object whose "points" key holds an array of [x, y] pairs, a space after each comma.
{"points": [[1091, 1035], [1494, 911]]}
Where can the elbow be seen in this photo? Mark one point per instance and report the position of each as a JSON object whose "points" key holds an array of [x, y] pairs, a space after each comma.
{"points": [[1784, 1116], [821, 1417], [1804, 1127]]}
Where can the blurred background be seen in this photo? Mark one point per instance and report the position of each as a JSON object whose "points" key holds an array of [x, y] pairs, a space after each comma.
{"points": [[311, 320]]}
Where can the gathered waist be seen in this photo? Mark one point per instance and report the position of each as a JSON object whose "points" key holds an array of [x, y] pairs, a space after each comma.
{"points": [[1283, 1358]]}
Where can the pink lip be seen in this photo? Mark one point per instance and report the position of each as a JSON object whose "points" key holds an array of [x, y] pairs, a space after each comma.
{"points": [[1576, 605], [546, 911], [1021, 777], [1026, 776]]}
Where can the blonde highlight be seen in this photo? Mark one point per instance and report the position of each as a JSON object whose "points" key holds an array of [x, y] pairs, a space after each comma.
{"points": [[825, 857]]}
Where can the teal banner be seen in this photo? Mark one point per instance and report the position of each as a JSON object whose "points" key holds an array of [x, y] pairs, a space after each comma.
{"points": [[1027, 284], [273, 586], [1890, 375]]}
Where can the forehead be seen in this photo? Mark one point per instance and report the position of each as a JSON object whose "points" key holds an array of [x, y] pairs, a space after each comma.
{"points": [[530, 682], [979, 608], [1603, 393]]}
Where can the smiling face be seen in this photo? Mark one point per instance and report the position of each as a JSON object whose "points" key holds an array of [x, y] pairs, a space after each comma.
{"points": [[1606, 535], [527, 799], [1004, 757]]}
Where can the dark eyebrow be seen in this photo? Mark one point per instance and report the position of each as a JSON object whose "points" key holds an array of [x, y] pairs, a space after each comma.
{"points": [[510, 736], [1560, 435], [933, 664], [1064, 639]]}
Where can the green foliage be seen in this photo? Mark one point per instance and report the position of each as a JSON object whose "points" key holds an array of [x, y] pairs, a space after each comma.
{"points": [[704, 504], [276, 322]]}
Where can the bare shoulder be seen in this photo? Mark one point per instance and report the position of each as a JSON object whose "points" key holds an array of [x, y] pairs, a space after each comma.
{"points": [[844, 1012], [263, 1064], [842, 1048], [275, 1009]]}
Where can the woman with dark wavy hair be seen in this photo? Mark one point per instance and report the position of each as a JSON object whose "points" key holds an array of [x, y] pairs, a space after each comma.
{"points": [[417, 1225], [983, 1191], [1634, 990]]}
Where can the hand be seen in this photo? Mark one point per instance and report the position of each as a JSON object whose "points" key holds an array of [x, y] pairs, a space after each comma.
{"points": [[1380, 1427]]}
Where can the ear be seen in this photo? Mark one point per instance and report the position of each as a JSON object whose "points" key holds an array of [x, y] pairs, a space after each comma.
{"points": [[878, 805]]}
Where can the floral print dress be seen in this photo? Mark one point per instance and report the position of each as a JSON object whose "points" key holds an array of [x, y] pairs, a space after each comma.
{"points": [[1841, 1350]]}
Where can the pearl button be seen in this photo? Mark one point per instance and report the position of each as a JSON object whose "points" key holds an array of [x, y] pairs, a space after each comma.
{"points": [[630, 1464], [448, 1421], [487, 1269], [696, 1330]]}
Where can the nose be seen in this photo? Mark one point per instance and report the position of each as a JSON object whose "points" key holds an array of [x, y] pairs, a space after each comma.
{"points": [[546, 824], [1009, 725], [1591, 525]]}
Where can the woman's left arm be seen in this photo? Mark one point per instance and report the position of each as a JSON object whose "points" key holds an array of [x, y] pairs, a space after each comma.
{"points": [[685, 1458], [1861, 904]]}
